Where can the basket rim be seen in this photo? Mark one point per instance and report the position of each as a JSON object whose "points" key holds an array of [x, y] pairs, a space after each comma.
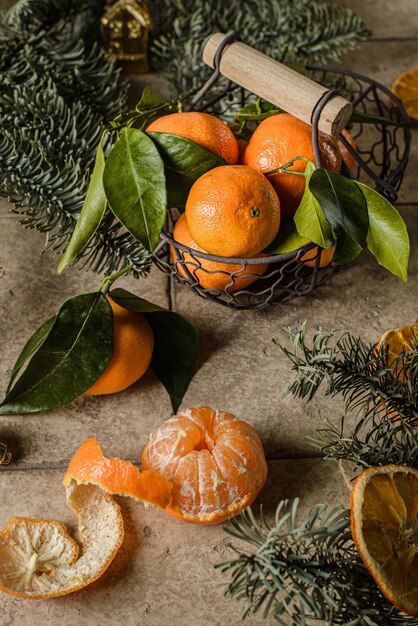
{"points": [[268, 259]]}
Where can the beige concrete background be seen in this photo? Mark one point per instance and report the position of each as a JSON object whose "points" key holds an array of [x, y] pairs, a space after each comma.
{"points": [[164, 574]]}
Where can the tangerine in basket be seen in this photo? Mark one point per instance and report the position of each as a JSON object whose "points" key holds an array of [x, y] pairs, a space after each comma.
{"points": [[233, 211], [204, 129], [211, 274], [309, 259], [133, 345], [215, 461], [384, 525], [278, 140]]}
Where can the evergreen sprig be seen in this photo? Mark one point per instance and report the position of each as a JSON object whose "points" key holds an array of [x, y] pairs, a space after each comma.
{"points": [[56, 94], [304, 571], [379, 393], [311, 31]]}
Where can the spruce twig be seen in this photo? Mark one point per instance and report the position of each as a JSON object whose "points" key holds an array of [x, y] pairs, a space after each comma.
{"points": [[382, 398], [304, 570]]}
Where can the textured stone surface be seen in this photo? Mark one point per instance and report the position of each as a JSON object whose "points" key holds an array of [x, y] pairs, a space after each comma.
{"points": [[164, 573]]}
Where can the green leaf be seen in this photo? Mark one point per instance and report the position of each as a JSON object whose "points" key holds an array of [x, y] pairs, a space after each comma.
{"points": [[91, 214], [287, 239], [345, 210], [176, 344], [309, 217], [135, 186], [358, 117], [71, 358], [387, 238], [31, 346], [257, 112], [149, 99], [185, 161]]}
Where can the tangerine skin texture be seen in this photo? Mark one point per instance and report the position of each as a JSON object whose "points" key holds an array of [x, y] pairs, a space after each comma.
{"points": [[116, 476], [219, 276], [215, 461], [132, 352], [233, 211], [309, 259], [278, 140], [204, 129]]}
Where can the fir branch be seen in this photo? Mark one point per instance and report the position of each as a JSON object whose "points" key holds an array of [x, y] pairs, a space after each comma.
{"points": [[304, 571], [383, 399], [312, 31], [57, 92]]}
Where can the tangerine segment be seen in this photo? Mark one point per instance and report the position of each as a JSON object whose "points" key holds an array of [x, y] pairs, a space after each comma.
{"points": [[90, 466], [132, 352], [278, 140], [384, 524], [204, 129], [211, 274], [406, 88], [39, 559], [215, 461], [233, 211]]}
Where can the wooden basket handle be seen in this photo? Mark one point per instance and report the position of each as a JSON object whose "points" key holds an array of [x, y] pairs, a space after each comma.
{"points": [[277, 83]]}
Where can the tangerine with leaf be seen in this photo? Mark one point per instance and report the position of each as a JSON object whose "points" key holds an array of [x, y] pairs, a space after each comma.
{"points": [[206, 130], [278, 140]]}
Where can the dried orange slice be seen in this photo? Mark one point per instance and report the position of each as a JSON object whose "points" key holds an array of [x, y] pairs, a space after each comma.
{"points": [[39, 559], [90, 466], [215, 461], [399, 340], [384, 525], [406, 88]]}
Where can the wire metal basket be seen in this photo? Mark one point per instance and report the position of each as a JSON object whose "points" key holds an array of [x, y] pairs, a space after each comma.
{"points": [[381, 156]]}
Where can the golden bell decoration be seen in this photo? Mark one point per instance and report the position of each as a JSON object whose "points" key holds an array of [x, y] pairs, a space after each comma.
{"points": [[126, 26]]}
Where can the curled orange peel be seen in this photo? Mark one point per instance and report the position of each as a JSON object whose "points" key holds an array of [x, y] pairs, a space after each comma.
{"points": [[117, 477], [39, 559]]}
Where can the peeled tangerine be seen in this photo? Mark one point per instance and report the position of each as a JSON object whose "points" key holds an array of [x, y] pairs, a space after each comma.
{"points": [[201, 466], [384, 525], [215, 461]]}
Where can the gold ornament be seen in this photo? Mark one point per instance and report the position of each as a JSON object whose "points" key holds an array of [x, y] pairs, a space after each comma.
{"points": [[126, 25]]}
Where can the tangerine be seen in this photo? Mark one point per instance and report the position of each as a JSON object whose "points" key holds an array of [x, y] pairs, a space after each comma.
{"points": [[211, 274], [233, 211], [215, 461], [133, 345], [309, 259], [204, 129], [278, 140]]}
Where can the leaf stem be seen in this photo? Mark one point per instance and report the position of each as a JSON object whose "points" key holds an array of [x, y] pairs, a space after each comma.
{"points": [[284, 167], [108, 281]]}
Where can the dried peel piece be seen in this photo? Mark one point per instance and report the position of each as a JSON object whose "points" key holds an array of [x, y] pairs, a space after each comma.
{"points": [[39, 559], [384, 525], [118, 477]]}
